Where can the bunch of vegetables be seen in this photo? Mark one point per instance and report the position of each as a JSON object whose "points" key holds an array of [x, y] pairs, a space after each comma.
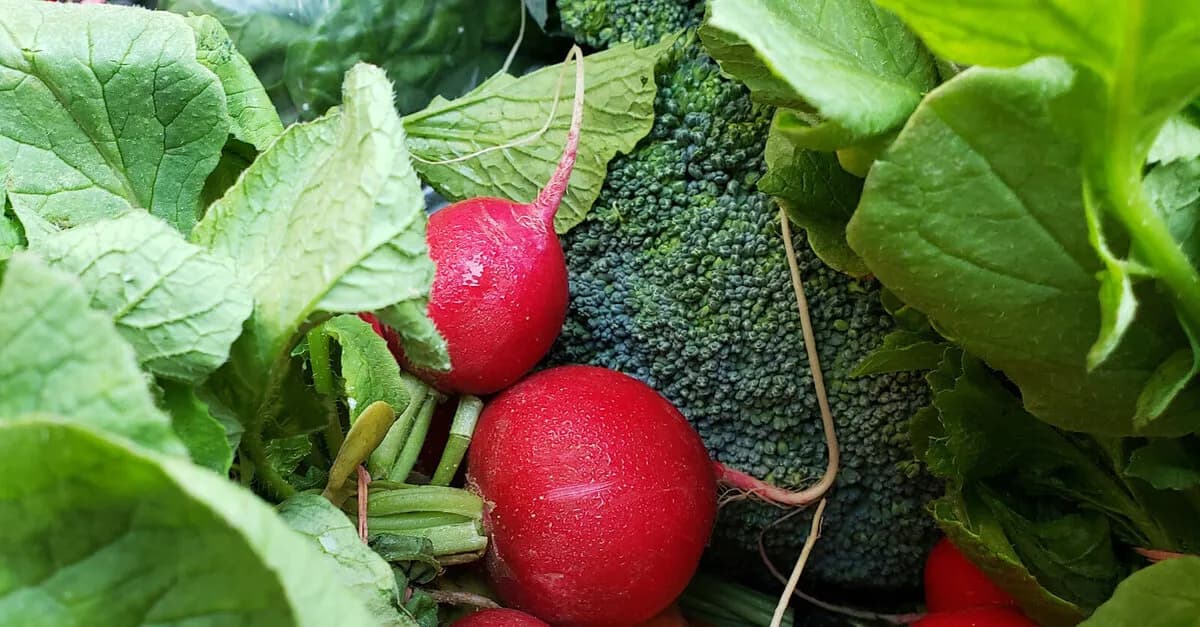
{"points": [[242, 370]]}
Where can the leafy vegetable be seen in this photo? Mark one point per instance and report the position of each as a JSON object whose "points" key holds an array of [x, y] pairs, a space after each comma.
{"points": [[59, 357], [618, 111], [205, 436], [958, 223], [176, 304], [329, 219], [368, 368], [100, 532], [357, 566], [1163, 595], [1167, 464], [856, 65], [89, 128]]}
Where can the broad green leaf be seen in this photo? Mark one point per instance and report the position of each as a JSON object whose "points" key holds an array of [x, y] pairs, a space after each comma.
{"points": [[252, 116], [357, 567], [1174, 192], [204, 437], [855, 64], [1167, 464], [368, 368], [177, 304], [959, 223], [1161, 595], [61, 357], [817, 194], [1179, 138], [329, 219], [618, 111], [92, 125], [97, 532]]}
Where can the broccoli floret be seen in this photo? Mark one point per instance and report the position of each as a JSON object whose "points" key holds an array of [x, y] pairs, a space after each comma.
{"points": [[678, 277], [605, 22]]}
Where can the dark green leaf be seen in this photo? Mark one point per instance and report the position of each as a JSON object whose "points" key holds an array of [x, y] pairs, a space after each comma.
{"points": [[1162, 595], [902, 351], [817, 194], [1167, 464], [204, 437]]}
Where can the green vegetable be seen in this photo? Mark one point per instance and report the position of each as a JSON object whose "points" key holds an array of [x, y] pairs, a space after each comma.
{"points": [[1163, 595], [618, 111], [721, 603], [99, 531], [65, 153], [678, 277]]}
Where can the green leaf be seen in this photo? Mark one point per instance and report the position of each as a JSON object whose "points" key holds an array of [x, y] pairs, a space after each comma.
{"points": [[329, 219], [960, 224], [1161, 595], [177, 304], [356, 566], [982, 540], [1173, 190], [100, 533], [125, 117], [537, 9], [200, 432], [1167, 464], [902, 351], [252, 116], [369, 369], [817, 194], [1179, 138], [11, 236], [855, 64], [618, 111], [58, 356]]}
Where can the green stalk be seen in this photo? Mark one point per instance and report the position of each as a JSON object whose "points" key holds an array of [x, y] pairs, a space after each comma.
{"points": [[277, 486], [406, 524], [384, 457], [461, 430], [464, 537], [425, 499], [322, 374], [414, 442]]}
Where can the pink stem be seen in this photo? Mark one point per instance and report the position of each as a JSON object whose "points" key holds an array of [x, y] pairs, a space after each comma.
{"points": [[364, 481], [770, 493], [548, 200]]}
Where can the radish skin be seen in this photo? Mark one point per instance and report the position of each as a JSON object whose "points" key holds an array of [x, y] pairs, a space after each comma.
{"points": [[499, 618], [599, 497]]}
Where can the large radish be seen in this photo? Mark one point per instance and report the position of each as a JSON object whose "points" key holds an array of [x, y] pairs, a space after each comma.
{"points": [[599, 496], [499, 294]]}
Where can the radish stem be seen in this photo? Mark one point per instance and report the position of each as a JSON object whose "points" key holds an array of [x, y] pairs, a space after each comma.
{"points": [[461, 429], [416, 439]]}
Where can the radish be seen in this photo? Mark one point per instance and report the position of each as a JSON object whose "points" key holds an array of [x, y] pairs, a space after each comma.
{"points": [[498, 618], [599, 497], [499, 294], [976, 617], [953, 583]]}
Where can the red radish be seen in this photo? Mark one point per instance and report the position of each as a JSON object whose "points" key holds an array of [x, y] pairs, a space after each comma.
{"points": [[499, 294], [599, 496], [670, 617], [976, 617], [952, 582], [498, 618]]}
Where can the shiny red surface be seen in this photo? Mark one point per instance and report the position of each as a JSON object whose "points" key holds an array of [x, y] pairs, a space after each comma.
{"points": [[499, 294], [952, 582], [599, 496], [977, 617], [499, 618]]}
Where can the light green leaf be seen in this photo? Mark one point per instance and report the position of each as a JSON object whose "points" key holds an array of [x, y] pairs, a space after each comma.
{"points": [[100, 533], [855, 64], [1179, 138], [252, 116], [177, 304], [368, 368], [329, 219], [817, 194], [1167, 464], [960, 224], [61, 357], [1174, 192], [122, 117], [201, 433], [618, 111], [1162, 595], [357, 567]]}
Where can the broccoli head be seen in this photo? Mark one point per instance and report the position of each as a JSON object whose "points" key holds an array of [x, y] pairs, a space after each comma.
{"points": [[678, 277]]}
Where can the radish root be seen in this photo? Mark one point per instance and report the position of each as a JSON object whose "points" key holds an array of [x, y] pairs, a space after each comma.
{"points": [[814, 532], [512, 52]]}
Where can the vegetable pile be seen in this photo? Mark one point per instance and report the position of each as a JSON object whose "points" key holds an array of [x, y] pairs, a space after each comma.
{"points": [[254, 372]]}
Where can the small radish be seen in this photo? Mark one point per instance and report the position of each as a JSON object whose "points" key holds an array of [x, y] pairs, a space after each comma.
{"points": [[670, 617], [599, 497], [953, 583], [976, 617], [498, 618], [499, 293]]}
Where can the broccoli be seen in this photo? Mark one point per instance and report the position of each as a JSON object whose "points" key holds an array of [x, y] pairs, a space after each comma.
{"points": [[678, 277]]}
